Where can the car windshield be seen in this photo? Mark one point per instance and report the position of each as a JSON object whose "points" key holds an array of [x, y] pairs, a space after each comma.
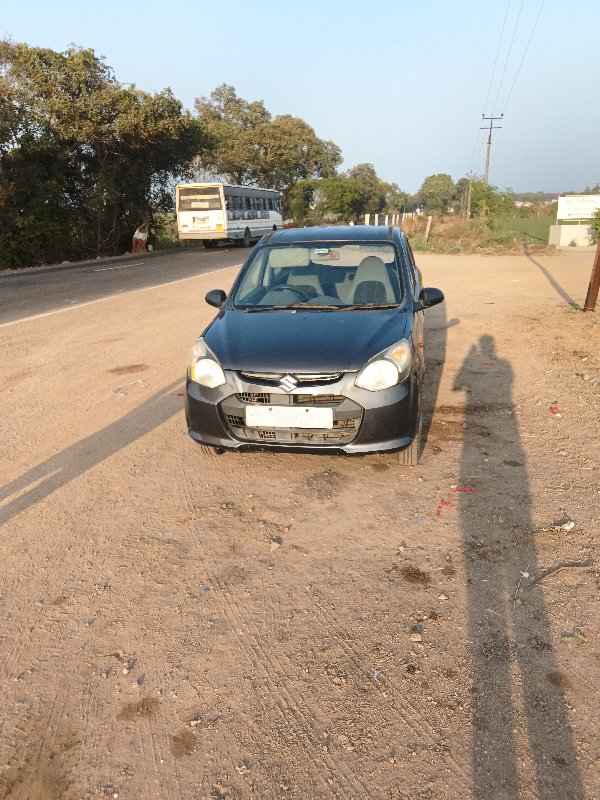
{"points": [[321, 275]]}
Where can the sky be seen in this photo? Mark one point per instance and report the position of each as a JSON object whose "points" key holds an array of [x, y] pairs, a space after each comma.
{"points": [[396, 83]]}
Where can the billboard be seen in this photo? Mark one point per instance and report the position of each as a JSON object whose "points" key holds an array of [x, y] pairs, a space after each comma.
{"points": [[577, 206]]}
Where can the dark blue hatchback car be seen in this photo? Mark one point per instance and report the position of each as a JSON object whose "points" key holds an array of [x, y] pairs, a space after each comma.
{"points": [[318, 348]]}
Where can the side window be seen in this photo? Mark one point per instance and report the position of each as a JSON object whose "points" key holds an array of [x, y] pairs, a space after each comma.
{"points": [[247, 202], [270, 204], [411, 266]]}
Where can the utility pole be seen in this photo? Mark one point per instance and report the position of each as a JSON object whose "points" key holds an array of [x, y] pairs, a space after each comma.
{"points": [[468, 203], [594, 287], [489, 141]]}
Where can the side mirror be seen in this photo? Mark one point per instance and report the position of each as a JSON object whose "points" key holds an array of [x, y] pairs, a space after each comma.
{"points": [[216, 297], [429, 297]]}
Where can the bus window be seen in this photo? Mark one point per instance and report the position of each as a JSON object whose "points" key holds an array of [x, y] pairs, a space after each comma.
{"points": [[270, 204], [204, 198]]}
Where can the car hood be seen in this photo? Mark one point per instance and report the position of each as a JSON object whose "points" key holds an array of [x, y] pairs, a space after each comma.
{"points": [[304, 341]]}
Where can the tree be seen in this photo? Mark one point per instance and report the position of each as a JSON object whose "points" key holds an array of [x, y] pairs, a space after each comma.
{"points": [[488, 202], [249, 147], [236, 130], [291, 151], [437, 193], [373, 189], [300, 199], [395, 199], [83, 159], [338, 196]]}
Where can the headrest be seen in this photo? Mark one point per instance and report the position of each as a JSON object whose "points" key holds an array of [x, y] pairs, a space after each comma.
{"points": [[371, 265]]}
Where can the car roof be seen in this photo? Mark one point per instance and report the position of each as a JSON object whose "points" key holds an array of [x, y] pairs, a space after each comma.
{"points": [[334, 233]]}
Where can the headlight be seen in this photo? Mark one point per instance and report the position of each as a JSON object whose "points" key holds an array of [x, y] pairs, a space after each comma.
{"points": [[388, 368], [204, 368]]}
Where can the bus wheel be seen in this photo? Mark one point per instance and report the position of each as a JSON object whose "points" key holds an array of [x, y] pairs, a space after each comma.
{"points": [[209, 243], [274, 227], [246, 239]]}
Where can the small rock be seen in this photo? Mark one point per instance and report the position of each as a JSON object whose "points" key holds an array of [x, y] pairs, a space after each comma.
{"points": [[574, 638], [416, 637], [442, 596]]}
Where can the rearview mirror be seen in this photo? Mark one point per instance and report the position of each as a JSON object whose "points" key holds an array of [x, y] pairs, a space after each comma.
{"points": [[216, 297], [429, 297]]}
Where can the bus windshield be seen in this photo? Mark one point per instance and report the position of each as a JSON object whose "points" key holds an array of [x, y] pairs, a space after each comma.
{"points": [[200, 198]]}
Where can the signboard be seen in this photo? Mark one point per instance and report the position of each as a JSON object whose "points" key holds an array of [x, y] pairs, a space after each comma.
{"points": [[578, 206]]}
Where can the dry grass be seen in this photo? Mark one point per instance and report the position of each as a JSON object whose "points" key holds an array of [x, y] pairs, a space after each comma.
{"points": [[460, 235]]}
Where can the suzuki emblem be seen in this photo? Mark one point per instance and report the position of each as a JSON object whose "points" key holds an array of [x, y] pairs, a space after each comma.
{"points": [[288, 383]]}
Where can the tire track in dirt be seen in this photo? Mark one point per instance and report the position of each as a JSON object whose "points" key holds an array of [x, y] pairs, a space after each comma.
{"points": [[266, 661], [308, 731], [39, 767], [359, 655]]}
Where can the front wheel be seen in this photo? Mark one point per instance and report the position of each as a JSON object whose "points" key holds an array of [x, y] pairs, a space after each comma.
{"points": [[411, 455], [211, 452]]}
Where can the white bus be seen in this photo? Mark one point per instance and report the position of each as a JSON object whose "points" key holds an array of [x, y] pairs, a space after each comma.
{"points": [[215, 213]]}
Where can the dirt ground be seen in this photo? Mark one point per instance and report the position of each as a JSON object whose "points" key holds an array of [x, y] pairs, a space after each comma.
{"points": [[282, 626]]}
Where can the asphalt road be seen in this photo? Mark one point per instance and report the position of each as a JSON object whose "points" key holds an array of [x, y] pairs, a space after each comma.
{"points": [[30, 293]]}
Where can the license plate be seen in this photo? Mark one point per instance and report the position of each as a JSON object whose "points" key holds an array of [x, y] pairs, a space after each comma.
{"points": [[200, 222], [288, 417]]}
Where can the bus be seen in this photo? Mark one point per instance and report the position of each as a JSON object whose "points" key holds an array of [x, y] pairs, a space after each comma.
{"points": [[216, 213]]}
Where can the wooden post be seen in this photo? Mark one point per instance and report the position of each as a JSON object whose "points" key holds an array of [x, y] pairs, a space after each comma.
{"points": [[427, 229], [594, 287], [376, 220], [367, 219]]}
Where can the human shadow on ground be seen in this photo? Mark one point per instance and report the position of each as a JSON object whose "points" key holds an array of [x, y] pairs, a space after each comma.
{"points": [[38, 483], [519, 713], [553, 282]]}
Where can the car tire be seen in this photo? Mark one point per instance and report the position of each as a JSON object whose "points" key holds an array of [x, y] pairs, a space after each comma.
{"points": [[211, 452], [411, 455]]}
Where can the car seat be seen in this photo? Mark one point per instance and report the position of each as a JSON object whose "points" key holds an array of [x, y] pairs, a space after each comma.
{"points": [[371, 283]]}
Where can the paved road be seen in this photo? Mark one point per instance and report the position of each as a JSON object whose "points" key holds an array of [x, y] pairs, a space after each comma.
{"points": [[30, 293]]}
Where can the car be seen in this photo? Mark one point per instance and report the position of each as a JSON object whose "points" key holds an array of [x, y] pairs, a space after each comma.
{"points": [[318, 348]]}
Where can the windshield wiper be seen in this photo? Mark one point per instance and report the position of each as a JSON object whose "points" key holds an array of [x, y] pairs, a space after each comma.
{"points": [[369, 306], [294, 306]]}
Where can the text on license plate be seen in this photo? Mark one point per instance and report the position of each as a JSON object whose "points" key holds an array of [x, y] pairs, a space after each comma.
{"points": [[288, 417]]}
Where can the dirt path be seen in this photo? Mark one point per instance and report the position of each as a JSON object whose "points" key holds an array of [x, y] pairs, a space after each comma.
{"points": [[173, 626]]}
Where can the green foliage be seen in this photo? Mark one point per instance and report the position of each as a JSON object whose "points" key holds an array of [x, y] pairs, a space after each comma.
{"points": [[83, 159], [529, 229], [488, 202], [372, 189], [300, 200], [437, 193], [338, 196], [250, 147], [595, 226]]}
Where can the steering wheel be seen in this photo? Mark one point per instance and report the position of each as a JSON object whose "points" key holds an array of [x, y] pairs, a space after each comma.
{"points": [[286, 288]]}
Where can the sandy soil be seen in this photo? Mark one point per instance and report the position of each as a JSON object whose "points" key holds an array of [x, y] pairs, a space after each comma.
{"points": [[174, 626]]}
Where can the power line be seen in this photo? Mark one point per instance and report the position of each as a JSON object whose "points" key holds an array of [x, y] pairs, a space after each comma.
{"points": [[510, 47], [524, 54], [487, 97], [477, 145]]}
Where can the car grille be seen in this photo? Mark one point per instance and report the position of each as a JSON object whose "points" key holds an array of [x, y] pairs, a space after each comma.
{"points": [[267, 399], [303, 378], [347, 417]]}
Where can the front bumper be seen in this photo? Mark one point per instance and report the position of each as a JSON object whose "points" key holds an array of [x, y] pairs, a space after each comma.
{"points": [[363, 422]]}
